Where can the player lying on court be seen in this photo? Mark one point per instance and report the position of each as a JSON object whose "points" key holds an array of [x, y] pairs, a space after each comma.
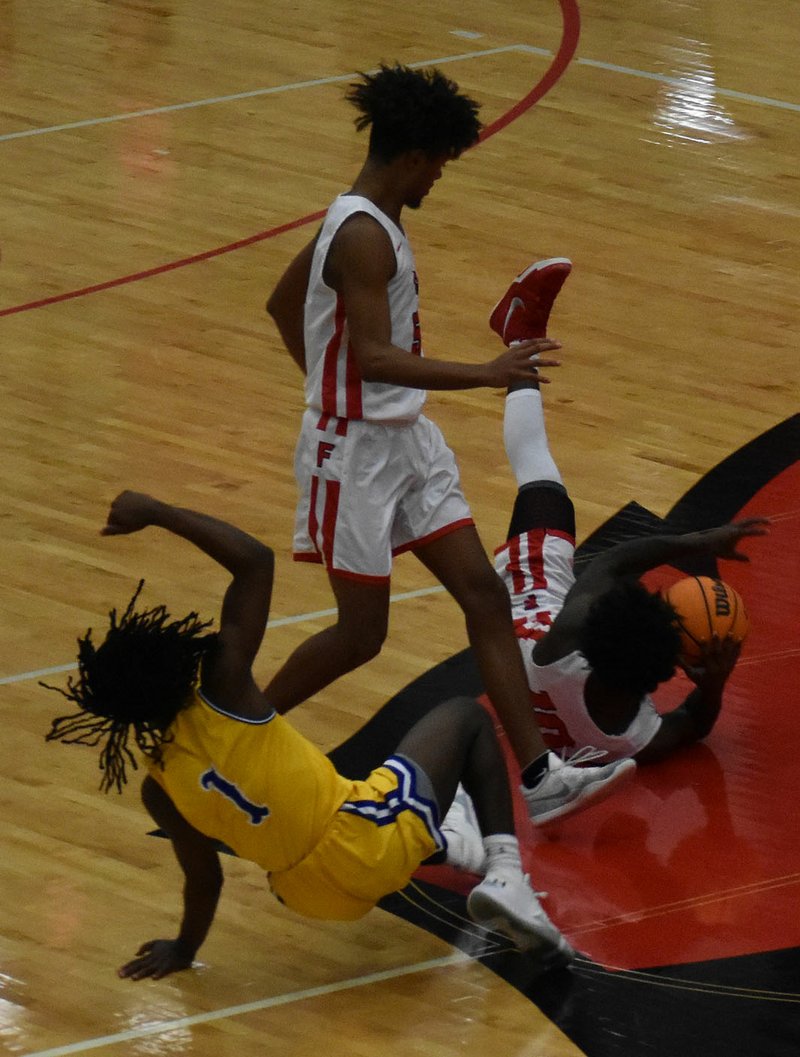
{"points": [[224, 766], [595, 648]]}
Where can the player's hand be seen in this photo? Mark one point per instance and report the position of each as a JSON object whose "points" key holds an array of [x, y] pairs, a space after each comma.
{"points": [[130, 512], [723, 541], [155, 959], [522, 361], [717, 660]]}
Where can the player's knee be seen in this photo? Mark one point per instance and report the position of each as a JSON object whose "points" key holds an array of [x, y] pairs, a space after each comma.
{"points": [[363, 643], [469, 714]]}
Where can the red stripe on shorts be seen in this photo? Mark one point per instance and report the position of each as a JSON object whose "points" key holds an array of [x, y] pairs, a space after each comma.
{"points": [[513, 566], [329, 520], [535, 542], [313, 524]]}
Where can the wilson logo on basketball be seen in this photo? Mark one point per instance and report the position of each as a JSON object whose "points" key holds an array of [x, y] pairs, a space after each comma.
{"points": [[722, 603], [706, 608]]}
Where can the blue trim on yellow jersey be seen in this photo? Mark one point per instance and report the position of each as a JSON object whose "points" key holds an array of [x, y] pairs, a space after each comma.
{"points": [[232, 715], [405, 798]]}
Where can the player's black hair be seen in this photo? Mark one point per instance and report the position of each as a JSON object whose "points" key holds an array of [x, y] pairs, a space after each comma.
{"points": [[414, 110], [630, 639], [135, 682]]}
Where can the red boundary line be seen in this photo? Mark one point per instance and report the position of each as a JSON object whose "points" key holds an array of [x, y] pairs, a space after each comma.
{"points": [[570, 16]]}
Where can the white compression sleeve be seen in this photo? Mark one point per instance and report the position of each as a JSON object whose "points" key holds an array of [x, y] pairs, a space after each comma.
{"points": [[525, 438]]}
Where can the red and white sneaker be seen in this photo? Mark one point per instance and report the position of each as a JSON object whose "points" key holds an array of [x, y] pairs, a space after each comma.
{"points": [[523, 311]]}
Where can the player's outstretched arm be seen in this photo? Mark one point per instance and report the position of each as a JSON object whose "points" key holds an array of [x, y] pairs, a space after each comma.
{"points": [[199, 860], [635, 557]]}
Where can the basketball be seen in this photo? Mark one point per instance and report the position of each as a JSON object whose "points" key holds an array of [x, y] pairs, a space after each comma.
{"points": [[706, 607]]}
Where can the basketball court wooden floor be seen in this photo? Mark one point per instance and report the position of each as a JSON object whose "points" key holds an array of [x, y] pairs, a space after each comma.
{"points": [[161, 166]]}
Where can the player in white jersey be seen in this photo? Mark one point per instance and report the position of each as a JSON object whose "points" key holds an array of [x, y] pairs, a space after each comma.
{"points": [[594, 648], [375, 476]]}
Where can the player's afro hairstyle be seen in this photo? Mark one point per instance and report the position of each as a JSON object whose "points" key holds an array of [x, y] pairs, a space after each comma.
{"points": [[630, 639], [414, 110], [136, 681]]}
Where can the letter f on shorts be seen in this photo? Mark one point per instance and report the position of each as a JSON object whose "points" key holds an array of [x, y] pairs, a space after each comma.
{"points": [[324, 450]]}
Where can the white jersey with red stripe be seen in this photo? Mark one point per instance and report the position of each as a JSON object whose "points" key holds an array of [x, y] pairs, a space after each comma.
{"points": [[334, 384], [537, 569]]}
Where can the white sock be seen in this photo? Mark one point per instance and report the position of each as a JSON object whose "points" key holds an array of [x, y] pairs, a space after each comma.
{"points": [[503, 862], [525, 438]]}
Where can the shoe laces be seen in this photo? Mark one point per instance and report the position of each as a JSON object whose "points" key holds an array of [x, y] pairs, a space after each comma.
{"points": [[587, 754]]}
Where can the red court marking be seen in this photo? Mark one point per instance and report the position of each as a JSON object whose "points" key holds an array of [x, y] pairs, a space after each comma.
{"points": [[571, 25]]}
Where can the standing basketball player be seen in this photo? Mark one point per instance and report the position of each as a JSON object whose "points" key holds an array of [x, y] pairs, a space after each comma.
{"points": [[594, 648], [375, 475]]}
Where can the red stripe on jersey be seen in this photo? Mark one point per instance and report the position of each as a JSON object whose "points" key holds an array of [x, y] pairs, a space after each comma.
{"points": [[340, 429], [331, 360], [353, 396], [329, 520]]}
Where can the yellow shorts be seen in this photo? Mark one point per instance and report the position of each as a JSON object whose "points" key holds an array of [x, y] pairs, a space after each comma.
{"points": [[388, 825]]}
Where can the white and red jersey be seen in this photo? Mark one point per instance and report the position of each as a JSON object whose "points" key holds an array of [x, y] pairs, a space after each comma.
{"points": [[537, 569], [334, 385]]}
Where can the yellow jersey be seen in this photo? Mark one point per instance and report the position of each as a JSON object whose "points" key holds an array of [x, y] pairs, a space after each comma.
{"points": [[256, 785], [332, 847]]}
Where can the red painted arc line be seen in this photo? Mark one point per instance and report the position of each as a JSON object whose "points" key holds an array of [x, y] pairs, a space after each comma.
{"points": [[570, 15]]}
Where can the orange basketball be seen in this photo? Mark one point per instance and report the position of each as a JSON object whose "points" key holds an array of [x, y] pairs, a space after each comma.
{"points": [[706, 607]]}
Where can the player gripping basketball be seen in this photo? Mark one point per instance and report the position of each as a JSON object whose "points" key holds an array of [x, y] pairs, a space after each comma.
{"points": [[595, 648], [706, 606]]}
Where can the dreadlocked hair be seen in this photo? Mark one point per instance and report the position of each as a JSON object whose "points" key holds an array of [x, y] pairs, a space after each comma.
{"points": [[133, 684], [630, 639], [414, 110]]}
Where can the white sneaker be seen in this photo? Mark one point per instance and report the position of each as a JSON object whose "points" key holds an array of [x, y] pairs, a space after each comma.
{"points": [[465, 849], [510, 906], [566, 788]]}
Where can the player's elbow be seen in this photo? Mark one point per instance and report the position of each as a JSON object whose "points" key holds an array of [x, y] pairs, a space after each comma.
{"points": [[262, 559], [255, 560]]}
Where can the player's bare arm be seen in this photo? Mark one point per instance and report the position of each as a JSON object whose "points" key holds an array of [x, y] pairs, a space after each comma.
{"points": [[286, 302], [199, 861], [636, 557], [360, 265], [227, 673]]}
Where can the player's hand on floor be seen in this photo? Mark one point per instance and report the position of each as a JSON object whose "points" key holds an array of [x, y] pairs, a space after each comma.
{"points": [[155, 959]]}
